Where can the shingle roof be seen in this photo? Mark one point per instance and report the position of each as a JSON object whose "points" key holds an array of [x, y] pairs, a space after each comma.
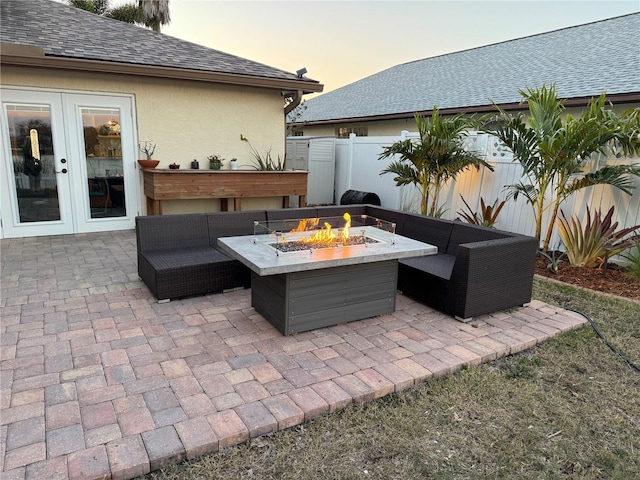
{"points": [[582, 61], [64, 31]]}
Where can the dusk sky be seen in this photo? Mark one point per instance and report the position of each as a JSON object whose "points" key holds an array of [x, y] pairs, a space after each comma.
{"points": [[340, 42]]}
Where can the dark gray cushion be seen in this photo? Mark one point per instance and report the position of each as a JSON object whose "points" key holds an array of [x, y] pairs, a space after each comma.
{"points": [[393, 216], [291, 213], [233, 224], [339, 210], [466, 233], [434, 231], [440, 265], [183, 258], [171, 232]]}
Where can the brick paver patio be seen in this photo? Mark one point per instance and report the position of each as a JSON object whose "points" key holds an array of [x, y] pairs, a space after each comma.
{"points": [[98, 380]]}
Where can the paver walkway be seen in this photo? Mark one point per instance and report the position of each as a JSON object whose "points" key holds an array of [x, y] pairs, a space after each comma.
{"points": [[98, 380]]}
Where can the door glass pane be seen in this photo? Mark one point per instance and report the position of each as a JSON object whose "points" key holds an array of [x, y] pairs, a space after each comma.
{"points": [[33, 162], [103, 150]]}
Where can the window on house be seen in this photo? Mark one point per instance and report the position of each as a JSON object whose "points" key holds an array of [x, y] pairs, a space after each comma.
{"points": [[343, 132]]}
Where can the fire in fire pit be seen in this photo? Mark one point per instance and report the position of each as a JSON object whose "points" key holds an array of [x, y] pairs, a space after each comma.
{"points": [[311, 234], [325, 237]]}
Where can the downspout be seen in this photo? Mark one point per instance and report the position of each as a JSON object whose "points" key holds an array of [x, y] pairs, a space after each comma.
{"points": [[295, 101]]}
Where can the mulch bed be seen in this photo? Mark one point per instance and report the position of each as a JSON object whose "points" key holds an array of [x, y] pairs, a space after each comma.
{"points": [[616, 280]]}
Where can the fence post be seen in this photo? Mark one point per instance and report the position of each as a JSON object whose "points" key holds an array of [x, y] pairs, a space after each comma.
{"points": [[352, 137]]}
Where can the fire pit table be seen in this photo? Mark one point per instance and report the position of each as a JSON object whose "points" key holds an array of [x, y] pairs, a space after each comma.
{"points": [[307, 274]]}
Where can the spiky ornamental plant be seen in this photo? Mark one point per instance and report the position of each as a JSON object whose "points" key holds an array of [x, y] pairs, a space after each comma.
{"points": [[598, 240], [554, 150], [488, 215], [437, 156]]}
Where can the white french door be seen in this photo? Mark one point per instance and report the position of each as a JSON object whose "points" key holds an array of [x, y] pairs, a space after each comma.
{"points": [[68, 163]]}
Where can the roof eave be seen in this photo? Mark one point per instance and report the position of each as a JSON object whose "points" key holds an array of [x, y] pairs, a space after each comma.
{"points": [[29, 56], [617, 99]]}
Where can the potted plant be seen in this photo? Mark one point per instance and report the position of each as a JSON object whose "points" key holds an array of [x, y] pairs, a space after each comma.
{"points": [[148, 147], [264, 162], [215, 162]]}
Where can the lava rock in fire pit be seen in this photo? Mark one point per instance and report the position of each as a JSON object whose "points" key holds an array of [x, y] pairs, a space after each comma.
{"points": [[299, 245]]}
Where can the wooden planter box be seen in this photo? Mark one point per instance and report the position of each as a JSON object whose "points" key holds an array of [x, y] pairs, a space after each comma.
{"points": [[160, 184]]}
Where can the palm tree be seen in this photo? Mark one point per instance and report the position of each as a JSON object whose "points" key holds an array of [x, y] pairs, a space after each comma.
{"points": [[554, 149], [438, 156], [155, 13], [150, 13]]}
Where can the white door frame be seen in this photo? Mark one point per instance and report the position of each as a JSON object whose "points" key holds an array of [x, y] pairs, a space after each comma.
{"points": [[73, 104], [68, 139]]}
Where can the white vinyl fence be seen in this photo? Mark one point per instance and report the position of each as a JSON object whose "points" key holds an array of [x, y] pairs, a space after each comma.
{"points": [[358, 168]]}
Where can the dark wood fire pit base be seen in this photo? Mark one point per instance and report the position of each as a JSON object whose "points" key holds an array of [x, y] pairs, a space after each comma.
{"points": [[301, 301]]}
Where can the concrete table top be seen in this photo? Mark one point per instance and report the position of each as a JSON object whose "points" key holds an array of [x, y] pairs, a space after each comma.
{"points": [[255, 253]]}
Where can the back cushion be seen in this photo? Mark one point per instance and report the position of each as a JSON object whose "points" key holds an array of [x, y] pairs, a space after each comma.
{"points": [[465, 233], [165, 232], [293, 213], [339, 210], [388, 214], [434, 231], [233, 224]]}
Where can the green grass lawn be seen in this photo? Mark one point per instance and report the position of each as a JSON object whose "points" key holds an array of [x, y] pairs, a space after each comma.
{"points": [[566, 409]]}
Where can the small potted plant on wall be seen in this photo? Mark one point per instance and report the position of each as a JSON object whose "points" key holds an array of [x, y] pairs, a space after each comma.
{"points": [[215, 162], [148, 147]]}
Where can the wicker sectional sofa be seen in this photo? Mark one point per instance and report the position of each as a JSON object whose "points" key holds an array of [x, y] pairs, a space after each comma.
{"points": [[476, 271]]}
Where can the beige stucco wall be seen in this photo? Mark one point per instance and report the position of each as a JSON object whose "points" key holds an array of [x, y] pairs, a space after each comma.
{"points": [[187, 119], [381, 128]]}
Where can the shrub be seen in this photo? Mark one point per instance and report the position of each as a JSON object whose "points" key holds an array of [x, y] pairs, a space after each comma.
{"points": [[592, 245], [634, 257], [555, 259], [488, 215]]}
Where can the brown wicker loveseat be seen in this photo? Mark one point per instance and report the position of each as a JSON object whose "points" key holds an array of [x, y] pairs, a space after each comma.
{"points": [[476, 271]]}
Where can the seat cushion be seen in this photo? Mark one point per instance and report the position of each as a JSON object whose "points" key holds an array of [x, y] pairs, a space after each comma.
{"points": [[185, 258], [188, 272], [439, 265]]}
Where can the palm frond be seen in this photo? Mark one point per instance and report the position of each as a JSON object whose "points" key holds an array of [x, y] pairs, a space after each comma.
{"points": [[619, 176], [528, 191], [405, 173]]}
